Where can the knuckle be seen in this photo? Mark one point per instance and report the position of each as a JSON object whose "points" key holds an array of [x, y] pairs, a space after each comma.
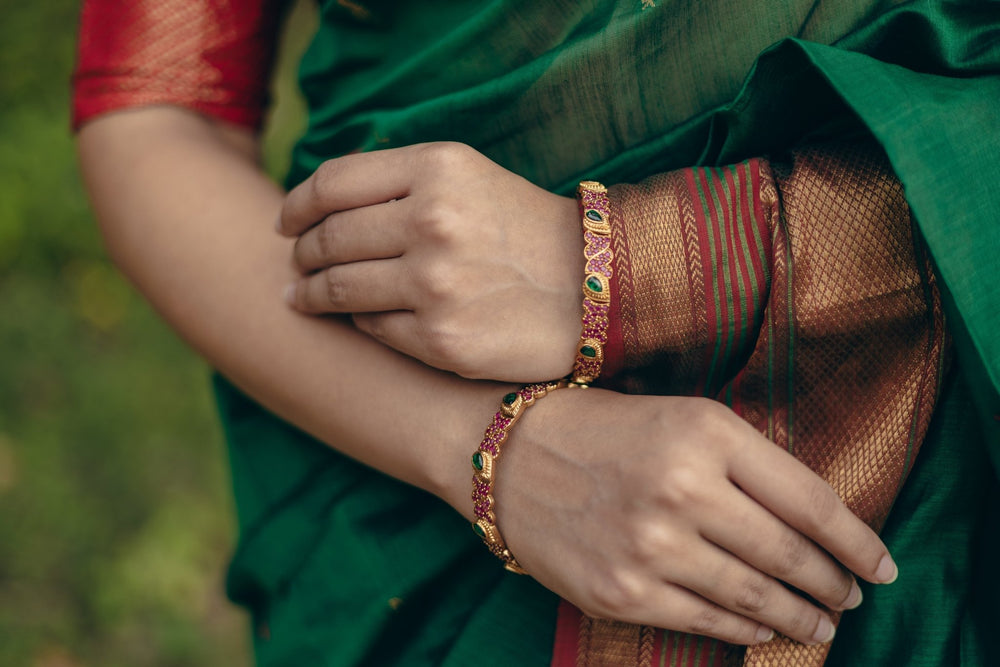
{"points": [[444, 346], [840, 589], [752, 595], [616, 594], [437, 281], [446, 155], [712, 419], [336, 291], [681, 487], [824, 505], [804, 624], [703, 421], [439, 221], [467, 368], [706, 410], [326, 237], [793, 556], [708, 621], [590, 610], [325, 175], [648, 543]]}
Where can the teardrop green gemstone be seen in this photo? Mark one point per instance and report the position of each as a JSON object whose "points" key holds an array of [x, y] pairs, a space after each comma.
{"points": [[510, 398], [477, 461], [594, 215], [594, 284], [478, 530], [588, 351]]}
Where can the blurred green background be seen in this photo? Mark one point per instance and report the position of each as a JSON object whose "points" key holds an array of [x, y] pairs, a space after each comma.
{"points": [[116, 520]]}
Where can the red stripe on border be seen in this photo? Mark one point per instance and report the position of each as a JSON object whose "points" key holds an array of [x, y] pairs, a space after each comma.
{"points": [[707, 259], [658, 647], [736, 285], [745, 222], [703, 249], [567, 642], [760, 221], [742, 312], [715, 226]]}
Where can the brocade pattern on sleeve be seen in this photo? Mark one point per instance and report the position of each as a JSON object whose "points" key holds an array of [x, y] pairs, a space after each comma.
{"points": [[210, 56]]}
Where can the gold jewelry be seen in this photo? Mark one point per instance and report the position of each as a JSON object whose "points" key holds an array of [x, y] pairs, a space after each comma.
{"points": [[484, 462], [596, 214]]}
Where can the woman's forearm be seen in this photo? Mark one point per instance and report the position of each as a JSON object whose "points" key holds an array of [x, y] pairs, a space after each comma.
{"points": [[189, 217]]}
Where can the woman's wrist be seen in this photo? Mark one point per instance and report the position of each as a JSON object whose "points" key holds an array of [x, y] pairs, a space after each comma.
{"points": [[485, 465], [462, 415]]}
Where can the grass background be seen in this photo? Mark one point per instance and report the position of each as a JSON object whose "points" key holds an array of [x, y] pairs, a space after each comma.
{"points": [[116, 520]]}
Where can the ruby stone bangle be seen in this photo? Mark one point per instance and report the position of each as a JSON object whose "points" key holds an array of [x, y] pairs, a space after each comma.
{"points": [[484, 462], [595, 212]]}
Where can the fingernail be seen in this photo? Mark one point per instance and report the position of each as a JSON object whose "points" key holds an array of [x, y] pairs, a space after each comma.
{"points": [[887, 570], [824, 632], [290, 294], [763, 635], [854, 598]]}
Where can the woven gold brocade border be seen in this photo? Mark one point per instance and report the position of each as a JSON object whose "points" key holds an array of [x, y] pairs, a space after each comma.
{"points": [[848, 344], [662, 305]]}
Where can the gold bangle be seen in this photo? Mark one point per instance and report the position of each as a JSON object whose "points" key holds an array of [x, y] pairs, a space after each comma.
{"points": [[596, 215], [484, 462]]}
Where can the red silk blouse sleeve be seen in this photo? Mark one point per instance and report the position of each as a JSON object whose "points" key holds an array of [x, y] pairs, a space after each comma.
{"points": [[212, 56]]}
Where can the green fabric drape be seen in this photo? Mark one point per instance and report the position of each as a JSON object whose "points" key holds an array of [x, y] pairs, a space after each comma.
{"points": [[344, 565]]}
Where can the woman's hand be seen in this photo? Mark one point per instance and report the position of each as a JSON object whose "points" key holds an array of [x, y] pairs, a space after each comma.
{"points": [[443, 255], [673, 512]]}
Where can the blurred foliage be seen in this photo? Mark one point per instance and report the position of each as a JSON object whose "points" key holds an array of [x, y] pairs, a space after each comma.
{"points": [[115, 513]]}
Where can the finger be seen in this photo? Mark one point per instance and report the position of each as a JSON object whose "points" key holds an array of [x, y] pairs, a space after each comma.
{"points": [[729, 582], [679, 609], [399, 329], [371, 232], [345, 183], [358, 287], [805, 502], [739, 525]]}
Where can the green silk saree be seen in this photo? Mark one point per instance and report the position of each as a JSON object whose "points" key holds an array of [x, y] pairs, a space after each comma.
{"points": [[342, 565]]}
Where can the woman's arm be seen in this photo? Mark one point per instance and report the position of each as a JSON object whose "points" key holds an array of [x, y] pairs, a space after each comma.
{"points": [[189, 217]]}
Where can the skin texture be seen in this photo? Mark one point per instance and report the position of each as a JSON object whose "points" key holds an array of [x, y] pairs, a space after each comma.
{"points": [[665, 528]]}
